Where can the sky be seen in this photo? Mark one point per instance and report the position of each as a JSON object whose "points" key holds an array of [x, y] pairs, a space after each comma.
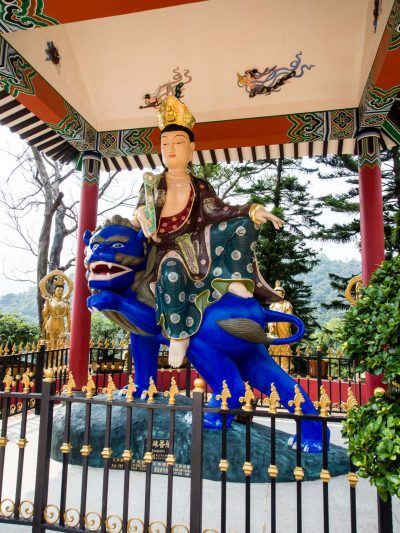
{"points": [[20, 264]]}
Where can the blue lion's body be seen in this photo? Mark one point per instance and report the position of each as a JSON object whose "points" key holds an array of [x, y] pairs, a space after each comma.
{"points": [[218, 351]]}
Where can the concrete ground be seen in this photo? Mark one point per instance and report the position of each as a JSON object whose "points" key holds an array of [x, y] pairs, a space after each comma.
{"points": [[260, 495]]}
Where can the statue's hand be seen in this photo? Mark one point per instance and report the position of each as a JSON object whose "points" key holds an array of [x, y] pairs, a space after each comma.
{"points": [[262, 215], [144, 222]]}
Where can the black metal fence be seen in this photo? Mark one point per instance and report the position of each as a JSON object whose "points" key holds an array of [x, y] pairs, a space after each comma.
{"points": [[50, 510], [310, 369]]}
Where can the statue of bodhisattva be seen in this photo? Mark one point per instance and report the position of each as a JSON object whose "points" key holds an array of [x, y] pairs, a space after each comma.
{"points": [[203, 247]]}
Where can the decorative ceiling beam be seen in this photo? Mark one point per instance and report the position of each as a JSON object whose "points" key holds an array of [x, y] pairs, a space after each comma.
{"points": [[21, 81], [28, 14], [302, 127], [383, 83]]}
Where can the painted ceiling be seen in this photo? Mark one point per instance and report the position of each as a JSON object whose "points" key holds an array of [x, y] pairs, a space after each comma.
{"points": [[108, 64]]}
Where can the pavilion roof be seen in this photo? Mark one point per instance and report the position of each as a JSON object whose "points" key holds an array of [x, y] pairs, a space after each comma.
{"points": [[323, 70]]}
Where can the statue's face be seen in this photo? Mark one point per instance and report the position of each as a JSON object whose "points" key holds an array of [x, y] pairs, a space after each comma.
{"points": [[59, 292], [176, 149]]}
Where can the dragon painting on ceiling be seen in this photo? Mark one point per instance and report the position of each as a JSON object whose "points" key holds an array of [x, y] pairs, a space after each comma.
{"points": [[271, 79], [170, 88]]}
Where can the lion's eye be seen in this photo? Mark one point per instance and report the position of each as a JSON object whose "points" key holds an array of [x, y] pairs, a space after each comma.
{"points": [[117, 245], [95, 246]]}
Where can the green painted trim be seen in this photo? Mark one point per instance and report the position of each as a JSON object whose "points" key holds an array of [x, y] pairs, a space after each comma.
{"points": [[391, 130]]}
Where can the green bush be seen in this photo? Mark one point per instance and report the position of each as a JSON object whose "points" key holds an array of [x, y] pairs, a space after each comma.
{"points": [[102, 328], [373, 433], [371, 328], [371, 331], [16, 330]]}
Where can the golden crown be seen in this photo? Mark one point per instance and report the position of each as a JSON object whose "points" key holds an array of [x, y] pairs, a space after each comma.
{"points": [[59, 281], [278, 287], [172, 111]]}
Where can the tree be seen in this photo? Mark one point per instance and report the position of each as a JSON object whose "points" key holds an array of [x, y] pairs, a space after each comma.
{"points": [[102, 328], [371, 332], [346, 167], [16, 330], [282, 254], [35, 186], [339, 284]]}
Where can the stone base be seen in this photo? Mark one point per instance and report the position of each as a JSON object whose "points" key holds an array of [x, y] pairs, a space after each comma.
{"points": [[260, 445]]}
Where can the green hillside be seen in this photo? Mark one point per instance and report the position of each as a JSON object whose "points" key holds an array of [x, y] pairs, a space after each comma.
{"points": [[322, 292], [25, 303], [22, 303]]}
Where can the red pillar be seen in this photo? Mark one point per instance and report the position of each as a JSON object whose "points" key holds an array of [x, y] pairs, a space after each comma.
{"points": [[371, 217], [80, 326]]}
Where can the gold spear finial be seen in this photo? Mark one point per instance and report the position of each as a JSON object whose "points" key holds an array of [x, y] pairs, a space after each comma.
{"points": [[351, 402], [8, 381], [324, 402], [130, 390], [297, 401], [110, 388], [89, 387], [69, 386], [273, 400], [26, 382], [151, 391], [247, 398], [172, 392], [224, 396]]}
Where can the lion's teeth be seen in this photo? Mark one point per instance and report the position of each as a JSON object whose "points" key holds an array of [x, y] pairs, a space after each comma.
{"points": [[109, 265], [108, 275]]}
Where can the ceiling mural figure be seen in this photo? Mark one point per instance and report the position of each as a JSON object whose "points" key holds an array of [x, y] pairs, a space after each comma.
{"points": [[271, 79], [52, 53], [170, 88]]}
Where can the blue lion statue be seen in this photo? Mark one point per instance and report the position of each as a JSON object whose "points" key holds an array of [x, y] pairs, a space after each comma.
{"points": [[230, 344]]}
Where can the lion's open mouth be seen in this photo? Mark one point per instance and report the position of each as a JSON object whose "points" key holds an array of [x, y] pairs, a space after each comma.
{"points": [[101, 270]]}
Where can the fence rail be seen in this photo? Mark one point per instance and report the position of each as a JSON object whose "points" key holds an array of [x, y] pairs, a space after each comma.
{"points": [[310, 369], [49, 512]]}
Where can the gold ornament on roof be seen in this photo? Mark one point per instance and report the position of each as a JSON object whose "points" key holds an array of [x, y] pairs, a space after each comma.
{"points": [[172, 111]]}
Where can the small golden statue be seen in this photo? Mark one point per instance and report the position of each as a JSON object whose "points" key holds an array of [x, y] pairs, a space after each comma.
{"points": [[356, 283], [56, 313], [283, 353]]}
